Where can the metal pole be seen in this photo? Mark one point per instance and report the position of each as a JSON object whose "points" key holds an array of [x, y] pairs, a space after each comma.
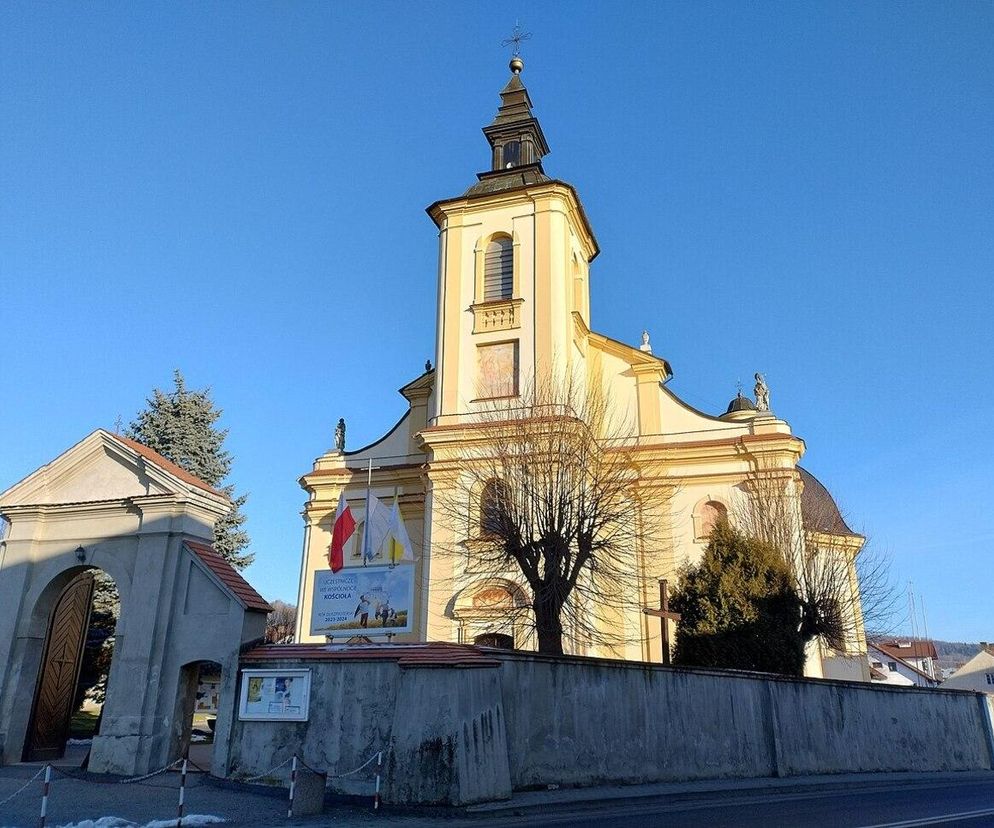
{"points": [[664, 605], [379, 765], [182, 795], [293, 786], [365, 525], [44, 796]]}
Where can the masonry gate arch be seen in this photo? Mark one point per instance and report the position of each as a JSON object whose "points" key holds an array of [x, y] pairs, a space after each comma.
{"points": [[112, 504]]}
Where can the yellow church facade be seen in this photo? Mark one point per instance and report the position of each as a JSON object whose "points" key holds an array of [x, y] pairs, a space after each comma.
{"points": [[515, 259]]}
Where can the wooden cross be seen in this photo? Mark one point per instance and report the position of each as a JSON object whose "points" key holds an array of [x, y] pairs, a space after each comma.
{"points": [[664, 615]]}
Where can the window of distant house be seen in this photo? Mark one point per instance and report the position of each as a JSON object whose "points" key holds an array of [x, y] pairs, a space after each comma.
{"points": [[877, 664], [707, 517], [990, 678], [892, 666], [493, 508], [498, 270]]}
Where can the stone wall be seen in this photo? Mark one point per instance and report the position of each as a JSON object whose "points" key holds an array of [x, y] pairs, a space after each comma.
{"points": [[462, 725]]}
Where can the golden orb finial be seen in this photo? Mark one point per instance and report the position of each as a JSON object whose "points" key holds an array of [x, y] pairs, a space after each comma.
{"points": [[516, 64]]}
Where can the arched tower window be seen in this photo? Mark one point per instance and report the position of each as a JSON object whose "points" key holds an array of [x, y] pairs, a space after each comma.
{"points": [[493, 508], [498, 270], [512, 154], [707, 516]]}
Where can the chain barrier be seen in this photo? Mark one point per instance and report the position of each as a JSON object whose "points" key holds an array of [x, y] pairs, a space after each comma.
{"points": [[365, 764], [134, 779], [23, 787], [264, 774], [295, 760]]}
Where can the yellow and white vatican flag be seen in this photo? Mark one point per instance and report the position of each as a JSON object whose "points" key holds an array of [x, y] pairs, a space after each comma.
{"points": [[378, 526], [400, 543]]}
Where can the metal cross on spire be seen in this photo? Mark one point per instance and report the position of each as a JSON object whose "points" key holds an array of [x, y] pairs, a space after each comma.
{"points": [[517, 35]]}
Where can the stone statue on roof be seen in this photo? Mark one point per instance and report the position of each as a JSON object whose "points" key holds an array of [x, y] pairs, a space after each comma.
{"points": [[340, 435], [645, 346], [762, 392]]}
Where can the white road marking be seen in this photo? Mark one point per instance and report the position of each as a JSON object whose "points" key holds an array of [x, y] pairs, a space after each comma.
{"points": [[936, 820]]}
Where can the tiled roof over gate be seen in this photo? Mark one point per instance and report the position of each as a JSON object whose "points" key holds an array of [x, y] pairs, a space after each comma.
{"points": [[433, 654], [228, 575]]}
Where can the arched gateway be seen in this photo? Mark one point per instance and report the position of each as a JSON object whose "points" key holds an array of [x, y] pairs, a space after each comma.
{"points": [[112, 504]]}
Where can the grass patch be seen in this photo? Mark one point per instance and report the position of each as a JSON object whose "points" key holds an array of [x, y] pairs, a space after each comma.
{"points": [[82, 725]]}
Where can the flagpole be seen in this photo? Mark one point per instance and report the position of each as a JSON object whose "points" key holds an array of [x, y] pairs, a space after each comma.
{"points": [[393, 542], [365, 525]]}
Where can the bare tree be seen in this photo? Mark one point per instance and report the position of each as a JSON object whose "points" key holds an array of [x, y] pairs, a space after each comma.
{"points": [[281, 623], [844, 584], [548, 496]]}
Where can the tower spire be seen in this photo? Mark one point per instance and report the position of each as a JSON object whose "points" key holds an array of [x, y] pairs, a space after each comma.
{"points": [[515, 135]]}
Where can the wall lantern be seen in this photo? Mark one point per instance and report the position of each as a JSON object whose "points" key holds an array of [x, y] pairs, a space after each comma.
{"points": [[80, 554]]}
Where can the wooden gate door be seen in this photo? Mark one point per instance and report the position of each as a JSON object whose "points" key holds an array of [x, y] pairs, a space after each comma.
{"points": [[53, 703]]}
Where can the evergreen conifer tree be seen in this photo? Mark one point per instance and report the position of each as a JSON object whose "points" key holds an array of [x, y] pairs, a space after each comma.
{"points": [[739, 609], [181, 426]]}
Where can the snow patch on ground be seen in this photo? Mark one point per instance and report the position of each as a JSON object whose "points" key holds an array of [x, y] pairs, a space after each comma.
{"points": [[117, 822]]}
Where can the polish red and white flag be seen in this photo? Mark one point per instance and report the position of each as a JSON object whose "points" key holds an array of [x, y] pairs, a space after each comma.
{"points": [[340, 534]]}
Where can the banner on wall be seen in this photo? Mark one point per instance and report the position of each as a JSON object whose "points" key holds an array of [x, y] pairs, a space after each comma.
{"points": [[363, 600]]}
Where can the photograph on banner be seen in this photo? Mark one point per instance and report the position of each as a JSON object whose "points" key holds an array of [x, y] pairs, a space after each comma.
{"points": [[373, 600], [275, 695]]}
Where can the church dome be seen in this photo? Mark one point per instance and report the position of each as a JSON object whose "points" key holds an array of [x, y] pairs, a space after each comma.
{"points": [[819, 511], [740, 403]]}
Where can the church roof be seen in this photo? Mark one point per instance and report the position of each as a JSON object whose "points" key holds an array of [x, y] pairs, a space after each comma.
{"points": [[230, 578], [497, 181], [819, 510]]}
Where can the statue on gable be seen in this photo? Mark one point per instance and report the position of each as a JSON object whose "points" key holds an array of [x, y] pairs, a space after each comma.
{"points": [[340, 435], [762, 392]]}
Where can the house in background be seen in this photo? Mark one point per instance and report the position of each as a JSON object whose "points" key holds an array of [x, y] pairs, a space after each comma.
{"points": [[908, 663], [977, 674]]}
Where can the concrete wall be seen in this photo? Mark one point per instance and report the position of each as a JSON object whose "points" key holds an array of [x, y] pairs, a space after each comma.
{"points": [[441, 731], [469, 735], [592, 722]]}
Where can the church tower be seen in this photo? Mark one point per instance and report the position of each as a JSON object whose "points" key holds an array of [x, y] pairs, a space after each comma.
{"points": [[514, 257]]}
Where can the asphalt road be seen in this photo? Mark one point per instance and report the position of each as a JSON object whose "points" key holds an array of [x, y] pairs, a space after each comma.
{"points": [[966, 803], [921, 801]]}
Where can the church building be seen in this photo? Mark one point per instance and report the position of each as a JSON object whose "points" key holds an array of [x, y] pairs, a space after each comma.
{"points": [[516, 253]]}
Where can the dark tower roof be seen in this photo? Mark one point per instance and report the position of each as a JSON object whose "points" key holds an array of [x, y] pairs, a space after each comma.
{"points": [[517, 143], [740, 403]]}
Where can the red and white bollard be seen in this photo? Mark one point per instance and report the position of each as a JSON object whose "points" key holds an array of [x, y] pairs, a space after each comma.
{"points": [[182, 795], [379, 765], [44, 796], [293, 786]]}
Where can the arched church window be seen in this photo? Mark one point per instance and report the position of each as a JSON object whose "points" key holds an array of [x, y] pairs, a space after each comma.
{"points": [[493, 508], [708, 515], [356, 540], [498, 270]]}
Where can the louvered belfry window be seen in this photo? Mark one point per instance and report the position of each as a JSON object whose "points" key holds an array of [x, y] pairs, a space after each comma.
{"points": [[498, 271]]}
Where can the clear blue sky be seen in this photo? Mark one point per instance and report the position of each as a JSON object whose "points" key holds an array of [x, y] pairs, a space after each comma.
{"points": [[238, 190]]}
